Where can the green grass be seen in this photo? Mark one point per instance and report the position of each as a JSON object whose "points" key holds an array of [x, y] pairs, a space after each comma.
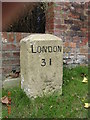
{"points": [[69, 105]]}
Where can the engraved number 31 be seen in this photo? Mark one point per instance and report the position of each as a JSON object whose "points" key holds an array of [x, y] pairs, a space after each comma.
{"points": [[44, 62]]}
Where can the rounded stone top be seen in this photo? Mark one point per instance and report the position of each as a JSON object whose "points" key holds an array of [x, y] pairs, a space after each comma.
{"points": [[40, 37]]}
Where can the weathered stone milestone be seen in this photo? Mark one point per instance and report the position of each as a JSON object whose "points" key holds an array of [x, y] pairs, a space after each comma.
{"points": [[41, 59]]}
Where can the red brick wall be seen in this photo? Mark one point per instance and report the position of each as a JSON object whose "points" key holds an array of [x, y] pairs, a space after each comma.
{"points": [[11, 51], [69, 21], [0, 60]]}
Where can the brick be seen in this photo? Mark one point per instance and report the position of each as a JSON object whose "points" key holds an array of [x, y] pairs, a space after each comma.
{"points": [[67, 4], [79, 10], [15, 62], [18, 47], [73, 50], [66, 50], [88, 18], [72, 45], [9, 47], [73, 16], [0, 46], [57, 31], [4, 35], [76, 5], [87, 12], [50, 21], [57, 26], [83, 50], [84, 29], [0, 70], [66, 44], [57, 21], [50, 18], [11, 62], [72, 33], [88, 50], [7, 55], [82, 44], [0, 55], [13, 47], [78, 44], [57, 8], [50, 9], [18, 37], [76, 28], [11, 37], [66, 8], [6, 70], [68, 38], [85, 40], [81, 34], [77, 22], [73, 11], [51, 15], [60, 3], [64, 27], [50, 3], [51, 26], [64, 16], [47, 27], [86, 5], [56, 34], [50, 31], [76, 39], [6, 47], [16, 54], [57, 14], [68, 21], [6, 62], [89, 56]]}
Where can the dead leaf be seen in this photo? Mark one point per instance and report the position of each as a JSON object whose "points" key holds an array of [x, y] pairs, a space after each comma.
{"points": [[5, 100], [51, 106], [85, 80], [72, 78], [6, 116], [13, 75], [87, 105]]}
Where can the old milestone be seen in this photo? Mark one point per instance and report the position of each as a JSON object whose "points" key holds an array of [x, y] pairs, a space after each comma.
{"points": [[41, 59]]}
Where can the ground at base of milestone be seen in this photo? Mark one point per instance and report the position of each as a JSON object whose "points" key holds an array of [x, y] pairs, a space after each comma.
{"points": [[68, 105]]}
